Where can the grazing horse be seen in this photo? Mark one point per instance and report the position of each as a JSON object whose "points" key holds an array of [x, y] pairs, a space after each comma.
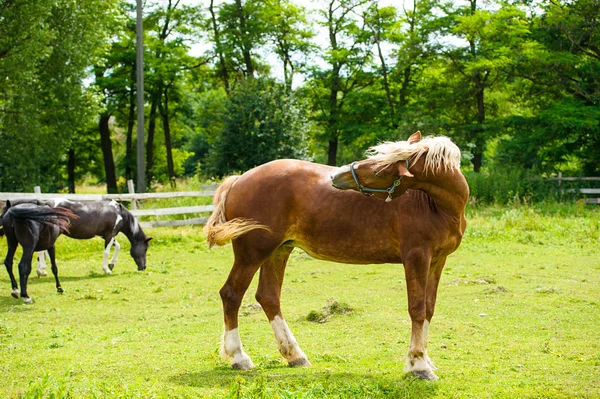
{"points": [[106, 219], [283, 204], [36, 228]]}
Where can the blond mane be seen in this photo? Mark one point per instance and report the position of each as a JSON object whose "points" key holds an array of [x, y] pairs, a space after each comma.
{"points": [[441, 153]]}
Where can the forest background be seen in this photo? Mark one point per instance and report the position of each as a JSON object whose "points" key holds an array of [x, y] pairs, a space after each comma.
{"points": [[233, 84]]}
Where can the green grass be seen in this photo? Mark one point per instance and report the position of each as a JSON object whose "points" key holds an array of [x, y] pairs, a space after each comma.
{"points": [[518, 315]]}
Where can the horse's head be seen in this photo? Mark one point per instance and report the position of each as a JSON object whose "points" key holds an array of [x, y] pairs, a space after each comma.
{"points": [[138, 252], [383, 177]]}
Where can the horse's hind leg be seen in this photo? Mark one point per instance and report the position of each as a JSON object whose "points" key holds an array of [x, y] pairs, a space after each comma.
{"points": [[247, 261], [268, 295], [24, 271], [41, 269], [52, 254], [8, 262]]}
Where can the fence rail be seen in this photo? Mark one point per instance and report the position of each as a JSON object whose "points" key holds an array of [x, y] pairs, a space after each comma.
{"points": [[205, 191]]}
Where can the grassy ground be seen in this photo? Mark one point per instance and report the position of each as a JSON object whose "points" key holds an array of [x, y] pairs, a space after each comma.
{"points": [[518, 316]]}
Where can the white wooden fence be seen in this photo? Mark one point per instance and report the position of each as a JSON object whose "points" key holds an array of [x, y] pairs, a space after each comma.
{"points": [[205, 191], [585, 191]]}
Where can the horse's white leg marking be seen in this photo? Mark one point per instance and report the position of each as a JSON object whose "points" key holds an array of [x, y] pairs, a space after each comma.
{"points": [[16, 293], [287, 344], [416, 360], [425, 334], [232, 349], [41, 270], [113, 261], [106, 253]]}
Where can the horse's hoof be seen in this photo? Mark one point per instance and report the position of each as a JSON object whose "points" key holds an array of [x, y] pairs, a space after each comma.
{"points": [[108, 272], [60, 290], [15, 294], [302, 362], [27, 300], [427, 375], [243, 364], [111, 266], [41, 273]]}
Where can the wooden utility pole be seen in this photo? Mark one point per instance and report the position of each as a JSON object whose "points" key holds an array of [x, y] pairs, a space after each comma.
{"points": [[141, 185]]}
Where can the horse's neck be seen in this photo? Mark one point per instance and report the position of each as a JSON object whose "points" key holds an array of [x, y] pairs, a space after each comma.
{"points": [[129, 227], [449, 192]]}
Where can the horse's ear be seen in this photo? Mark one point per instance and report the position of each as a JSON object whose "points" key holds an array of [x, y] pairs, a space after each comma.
{"points": [[148, 240], [415, 137], [8, 204], [403, 170]]}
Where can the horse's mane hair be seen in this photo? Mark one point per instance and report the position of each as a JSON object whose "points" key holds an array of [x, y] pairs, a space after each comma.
{"points": [[132, 224], [441, 153]]}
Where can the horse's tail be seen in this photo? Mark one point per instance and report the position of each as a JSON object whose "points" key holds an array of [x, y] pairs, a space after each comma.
{"points": [[60, 217], [218, 229]]}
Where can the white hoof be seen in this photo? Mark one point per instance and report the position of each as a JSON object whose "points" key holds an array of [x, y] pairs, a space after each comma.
{"points": [[28, 300], [41, 273], [242, 363], [15, 293], [107, 271], [430, 363]]}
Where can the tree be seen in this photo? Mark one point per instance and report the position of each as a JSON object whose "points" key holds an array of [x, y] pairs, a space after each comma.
{"points": [[347, 57], [260, 123]]}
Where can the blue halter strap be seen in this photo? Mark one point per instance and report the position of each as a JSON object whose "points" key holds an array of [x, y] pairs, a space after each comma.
{"points": [[368, 191]]}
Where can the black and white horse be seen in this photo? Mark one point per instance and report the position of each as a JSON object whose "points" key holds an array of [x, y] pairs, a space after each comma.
{"points": [[105, 219], [36, 228]]}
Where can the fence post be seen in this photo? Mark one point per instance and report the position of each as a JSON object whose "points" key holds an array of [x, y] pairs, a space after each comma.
{"points": [[37, 190], [131, 189], [559, 179]]}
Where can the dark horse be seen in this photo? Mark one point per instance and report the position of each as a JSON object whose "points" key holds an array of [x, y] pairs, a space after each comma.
{"points": [[36, 228], [283, 204], [105, 219]]}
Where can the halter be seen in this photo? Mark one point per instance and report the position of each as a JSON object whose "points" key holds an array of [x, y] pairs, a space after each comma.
{"points": [[367, 190]]}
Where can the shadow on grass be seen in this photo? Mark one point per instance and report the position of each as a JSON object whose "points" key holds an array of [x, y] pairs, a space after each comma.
{"points": [[288, 382]]}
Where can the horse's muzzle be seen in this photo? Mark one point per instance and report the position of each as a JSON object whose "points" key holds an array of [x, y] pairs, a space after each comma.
{"points": [[341, 178]]}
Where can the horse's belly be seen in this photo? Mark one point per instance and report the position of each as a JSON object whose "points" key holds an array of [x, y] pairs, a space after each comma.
{"points": [[353, 254]]}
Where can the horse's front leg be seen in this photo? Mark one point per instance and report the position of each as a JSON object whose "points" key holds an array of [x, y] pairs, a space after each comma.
{"points": [[113, 261], [107, 244], [52, 254], [268, 295], [8, 262], [435, 273], [41, 269], [416, 269], [24, 271]]}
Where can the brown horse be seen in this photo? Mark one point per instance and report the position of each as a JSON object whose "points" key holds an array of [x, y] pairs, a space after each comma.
{"points": [[284, 204]]}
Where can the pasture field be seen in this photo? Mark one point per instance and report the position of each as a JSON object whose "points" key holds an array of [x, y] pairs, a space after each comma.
{"points": [[518, 315]]}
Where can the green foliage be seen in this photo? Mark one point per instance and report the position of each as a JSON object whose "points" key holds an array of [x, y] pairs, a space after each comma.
{"points": [[260, 123]]}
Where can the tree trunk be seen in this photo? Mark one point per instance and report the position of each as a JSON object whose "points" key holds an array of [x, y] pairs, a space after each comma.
{"points": [[246, 46], [129, 141], [386, 84], [222, 71], [164, 113], [150, 142], [332, 151], [71, 171], [109, 163]]}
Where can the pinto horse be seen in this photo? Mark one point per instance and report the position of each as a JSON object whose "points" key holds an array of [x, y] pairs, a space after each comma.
{"points": [[283, 204], [36, 228], [106, 219]]}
